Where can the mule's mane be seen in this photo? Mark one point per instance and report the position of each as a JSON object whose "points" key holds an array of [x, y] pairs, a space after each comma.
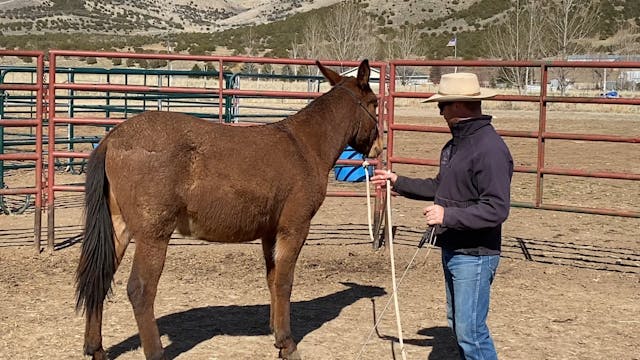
{"points": [[326, 124]]}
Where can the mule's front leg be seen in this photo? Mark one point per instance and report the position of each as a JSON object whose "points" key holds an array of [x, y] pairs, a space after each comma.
{"points": [[148, 262], [286, 254]]}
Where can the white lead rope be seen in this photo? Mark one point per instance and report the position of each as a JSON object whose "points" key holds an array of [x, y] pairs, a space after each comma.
{"points": [[393, 272], [366, 176], [391, 255], [430, 243]]}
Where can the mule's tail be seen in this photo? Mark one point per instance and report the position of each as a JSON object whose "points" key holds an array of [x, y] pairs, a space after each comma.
{"points": [[98, 256]]}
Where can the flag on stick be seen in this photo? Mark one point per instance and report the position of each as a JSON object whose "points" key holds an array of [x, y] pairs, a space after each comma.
{"points": [[452, 42]]}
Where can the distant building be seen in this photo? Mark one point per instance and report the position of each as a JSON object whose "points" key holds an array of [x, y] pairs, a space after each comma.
{"points": [[612, 78], [419, 80], [631, 76], [374, 77], [603, 57], [555, 85], [594, 57]]}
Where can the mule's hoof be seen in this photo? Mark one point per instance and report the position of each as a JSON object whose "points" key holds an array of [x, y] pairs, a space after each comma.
{"points": [[293, 356], [160, 356], [99, 355], [96, 353]]}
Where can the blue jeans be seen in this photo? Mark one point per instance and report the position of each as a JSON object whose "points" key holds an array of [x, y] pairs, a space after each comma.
{"points": [[468, 284]]}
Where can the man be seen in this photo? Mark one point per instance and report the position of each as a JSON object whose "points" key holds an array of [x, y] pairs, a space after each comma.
{"points": [[471, 195]]}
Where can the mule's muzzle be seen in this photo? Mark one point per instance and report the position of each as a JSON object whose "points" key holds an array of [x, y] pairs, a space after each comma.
{"points": [[376, 148]]}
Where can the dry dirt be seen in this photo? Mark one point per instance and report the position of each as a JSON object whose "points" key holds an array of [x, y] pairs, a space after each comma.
{"points": [[577, 297]]}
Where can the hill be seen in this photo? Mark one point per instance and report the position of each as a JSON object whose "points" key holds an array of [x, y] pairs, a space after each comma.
{"points": [[201, 26], [144, 17]]}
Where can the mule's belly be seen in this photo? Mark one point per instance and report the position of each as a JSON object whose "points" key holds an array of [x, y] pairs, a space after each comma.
{"points": [[228, 225]]}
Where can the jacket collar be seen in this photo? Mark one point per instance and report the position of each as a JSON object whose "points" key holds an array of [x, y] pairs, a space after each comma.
{"points": [[469, 126]]}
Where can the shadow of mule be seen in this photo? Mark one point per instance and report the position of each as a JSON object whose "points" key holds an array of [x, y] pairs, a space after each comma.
{"points": [[189, 328]]}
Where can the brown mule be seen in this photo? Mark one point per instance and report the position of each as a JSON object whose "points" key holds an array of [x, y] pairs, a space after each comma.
{"points": [[161, 171]]}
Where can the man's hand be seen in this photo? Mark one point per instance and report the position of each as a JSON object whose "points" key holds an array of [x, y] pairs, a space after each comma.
{"points": [[434, 214], [380, 177]]}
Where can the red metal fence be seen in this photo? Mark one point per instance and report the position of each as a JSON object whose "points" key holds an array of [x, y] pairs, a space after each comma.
{"points": [[26, 156], [47, 190], [543, 99]]}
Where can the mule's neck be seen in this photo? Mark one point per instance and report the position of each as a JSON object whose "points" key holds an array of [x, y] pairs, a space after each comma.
{"points": [[325, 126]]}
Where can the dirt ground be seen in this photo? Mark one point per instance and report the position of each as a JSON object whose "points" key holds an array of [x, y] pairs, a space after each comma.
{"points": [[568, 285]]}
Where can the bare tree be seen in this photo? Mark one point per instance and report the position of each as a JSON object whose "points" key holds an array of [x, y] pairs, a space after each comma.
{"points": [[626, 41], [568, 24], [404, 46], [250, 49], [313, 43], [517, 39], [313, 39], [250, 43], [349, 33], [296, 50], [435, 73]]}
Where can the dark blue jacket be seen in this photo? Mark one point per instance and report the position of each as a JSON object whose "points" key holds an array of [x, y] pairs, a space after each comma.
{"points": [[473, 185]]}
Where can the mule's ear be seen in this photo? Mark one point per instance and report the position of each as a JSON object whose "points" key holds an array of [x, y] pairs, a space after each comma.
{"points": [[329, 74], [364, 71]]}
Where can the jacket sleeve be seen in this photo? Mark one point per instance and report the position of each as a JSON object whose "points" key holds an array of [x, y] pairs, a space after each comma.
{"points": [[493, 180], [417, 189]]}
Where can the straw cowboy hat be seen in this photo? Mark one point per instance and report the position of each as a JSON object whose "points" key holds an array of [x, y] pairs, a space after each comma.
{"points": [[460, 87]]}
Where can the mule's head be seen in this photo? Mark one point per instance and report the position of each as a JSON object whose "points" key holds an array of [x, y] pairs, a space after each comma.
{"points": [[365, 138]]}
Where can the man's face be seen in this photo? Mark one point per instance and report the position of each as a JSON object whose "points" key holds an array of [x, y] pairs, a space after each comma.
{"points": [[445, 109]]}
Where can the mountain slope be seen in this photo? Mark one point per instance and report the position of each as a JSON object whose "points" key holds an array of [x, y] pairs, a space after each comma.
{"points": [[143, 17], [204, 26]]}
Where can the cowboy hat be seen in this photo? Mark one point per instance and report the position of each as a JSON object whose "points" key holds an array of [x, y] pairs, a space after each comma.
{"points": [[460, 87]]}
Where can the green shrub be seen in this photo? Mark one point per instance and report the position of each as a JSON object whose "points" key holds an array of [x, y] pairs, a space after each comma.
{"points": [[195, 68]]}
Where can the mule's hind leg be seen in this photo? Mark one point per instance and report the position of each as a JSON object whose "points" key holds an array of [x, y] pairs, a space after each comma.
{"points": [[93, 335], [93, 323], [148, 262], [268, 248]]}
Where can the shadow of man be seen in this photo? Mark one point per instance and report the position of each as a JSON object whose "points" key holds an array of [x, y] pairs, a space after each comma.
{"points": [[442, 342], [187, 329], [440, 339]]}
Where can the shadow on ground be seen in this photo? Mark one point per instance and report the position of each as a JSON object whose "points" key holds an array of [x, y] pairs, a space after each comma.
{"points": [[440, 339], [187, 329]]}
